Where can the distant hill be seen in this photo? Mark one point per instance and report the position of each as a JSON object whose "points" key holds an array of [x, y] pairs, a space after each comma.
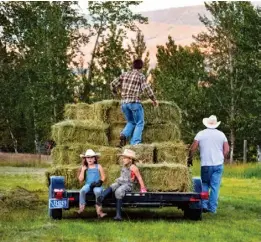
{"points": [[180, 23]]}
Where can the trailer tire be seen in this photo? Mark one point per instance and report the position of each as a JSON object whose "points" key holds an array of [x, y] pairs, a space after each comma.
{"points": [[56, 213], [193, 214]]}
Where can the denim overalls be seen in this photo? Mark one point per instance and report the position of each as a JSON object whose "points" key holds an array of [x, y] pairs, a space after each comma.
{"points": [[92, 175]]}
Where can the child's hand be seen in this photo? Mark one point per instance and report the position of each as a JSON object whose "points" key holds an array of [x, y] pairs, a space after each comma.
{"points": [[143, 190], [84, 168]]}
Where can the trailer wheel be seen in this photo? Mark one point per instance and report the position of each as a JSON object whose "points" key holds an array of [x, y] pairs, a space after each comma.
{"points": [[193, 214], [56, 213]]}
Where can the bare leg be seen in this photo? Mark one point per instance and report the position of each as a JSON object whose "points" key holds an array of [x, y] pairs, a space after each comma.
{"points": [[99, 211]]}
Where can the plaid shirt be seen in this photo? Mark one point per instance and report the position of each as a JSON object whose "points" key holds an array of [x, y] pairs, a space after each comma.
{"points": [[132, 84]]}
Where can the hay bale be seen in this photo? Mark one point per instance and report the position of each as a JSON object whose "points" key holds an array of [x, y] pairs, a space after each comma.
{"points": [[157, 177], [60, 154], [166, 112], [109, 111], [166, 177], [151, 133], [75, 131], [171, 152], [114, 134], [70, 174], [160, 133], [144, 152], [80, 111], [70, 154]]}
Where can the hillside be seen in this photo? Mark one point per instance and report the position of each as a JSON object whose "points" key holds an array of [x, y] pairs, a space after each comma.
{"points": [[180, 23]]}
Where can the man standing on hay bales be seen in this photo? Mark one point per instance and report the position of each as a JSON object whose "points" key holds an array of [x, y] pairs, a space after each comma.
{"points": [[132, 84], [213, 146]]}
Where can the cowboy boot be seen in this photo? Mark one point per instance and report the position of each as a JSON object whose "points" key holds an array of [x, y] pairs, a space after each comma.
{"points": [[118, 210], [123, 140], [103, 195], [99, 211]]}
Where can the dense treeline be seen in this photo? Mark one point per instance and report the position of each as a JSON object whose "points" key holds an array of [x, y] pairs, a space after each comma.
{"points": [[218, 74]]}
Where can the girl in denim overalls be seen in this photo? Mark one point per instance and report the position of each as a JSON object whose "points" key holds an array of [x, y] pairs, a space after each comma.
{"points": [[123, 184], [94, 176]]}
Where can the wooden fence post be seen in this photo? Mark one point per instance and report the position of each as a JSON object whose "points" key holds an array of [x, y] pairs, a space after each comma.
{"points": [[245, 151]]}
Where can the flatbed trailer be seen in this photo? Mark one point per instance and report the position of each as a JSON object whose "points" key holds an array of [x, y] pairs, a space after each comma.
{"points": [[189, 202]]}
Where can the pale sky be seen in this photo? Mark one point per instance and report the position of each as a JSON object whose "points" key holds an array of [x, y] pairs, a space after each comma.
{"points": [[149, 5]]}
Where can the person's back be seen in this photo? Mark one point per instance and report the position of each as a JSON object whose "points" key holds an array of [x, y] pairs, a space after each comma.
{"points": [[211, 143], [132, 85], [213, 147]]}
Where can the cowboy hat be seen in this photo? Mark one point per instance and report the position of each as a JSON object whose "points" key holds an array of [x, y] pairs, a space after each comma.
{"points": [[211, 122], [129, 153], [89, 153]]}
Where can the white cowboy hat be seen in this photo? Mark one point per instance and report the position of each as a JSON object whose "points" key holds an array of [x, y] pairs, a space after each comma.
{"points": [[129, 153], [211, 122], [89, 153]]}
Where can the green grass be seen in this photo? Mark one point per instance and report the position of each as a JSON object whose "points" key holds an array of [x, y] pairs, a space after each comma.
{"points": [[237, 170], [238, 217]]}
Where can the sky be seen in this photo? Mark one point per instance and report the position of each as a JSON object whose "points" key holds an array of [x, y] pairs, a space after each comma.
{"points": [[150, 5]]}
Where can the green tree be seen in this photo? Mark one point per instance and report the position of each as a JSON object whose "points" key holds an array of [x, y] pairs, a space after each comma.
{"points": [[137, 50], [177, 76], [46, 37], [103, 15], [233, 43], [111, 59]]}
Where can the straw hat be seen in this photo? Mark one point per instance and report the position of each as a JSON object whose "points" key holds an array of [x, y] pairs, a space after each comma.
{"points": [[89, 153], [211, 122], [129, 153]]}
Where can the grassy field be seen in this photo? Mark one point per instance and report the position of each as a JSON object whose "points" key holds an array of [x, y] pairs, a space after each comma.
{"points": [[23, 213]]}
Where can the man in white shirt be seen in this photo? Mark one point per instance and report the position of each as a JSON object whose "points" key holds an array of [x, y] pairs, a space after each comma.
{"points": [[213, 147]]}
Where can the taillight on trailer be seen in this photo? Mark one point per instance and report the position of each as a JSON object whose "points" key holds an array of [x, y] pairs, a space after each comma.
{"points": [[71, 199], [192, 199], [204, 195], [58, 193]]}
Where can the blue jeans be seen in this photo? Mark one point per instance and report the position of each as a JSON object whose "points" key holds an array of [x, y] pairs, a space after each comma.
{"points": [[211, 179], [134, 115], [85, 189]]}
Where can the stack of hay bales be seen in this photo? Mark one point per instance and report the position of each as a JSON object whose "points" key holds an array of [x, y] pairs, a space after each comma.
{"points": [[161, 157]]}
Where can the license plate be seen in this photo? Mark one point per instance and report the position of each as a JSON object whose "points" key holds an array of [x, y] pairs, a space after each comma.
{"points": [[58, 203]]}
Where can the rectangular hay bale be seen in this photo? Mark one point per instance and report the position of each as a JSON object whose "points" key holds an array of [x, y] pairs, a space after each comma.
{"points": [[144, 152], [75, 131], [171, 152], [157, 177], [109, 111], [160, 133], [151, 133], [70, 154], [166, 177], [71, 172]]}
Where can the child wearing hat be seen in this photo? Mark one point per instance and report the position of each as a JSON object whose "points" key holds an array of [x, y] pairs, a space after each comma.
{"points": [[124, 183], [94, 176]]}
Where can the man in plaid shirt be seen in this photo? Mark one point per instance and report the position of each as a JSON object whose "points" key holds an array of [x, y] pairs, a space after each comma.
{"points": [[132, 84]]}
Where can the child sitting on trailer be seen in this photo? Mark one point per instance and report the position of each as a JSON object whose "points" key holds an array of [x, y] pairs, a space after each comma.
{"points": [[124, 183]]}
